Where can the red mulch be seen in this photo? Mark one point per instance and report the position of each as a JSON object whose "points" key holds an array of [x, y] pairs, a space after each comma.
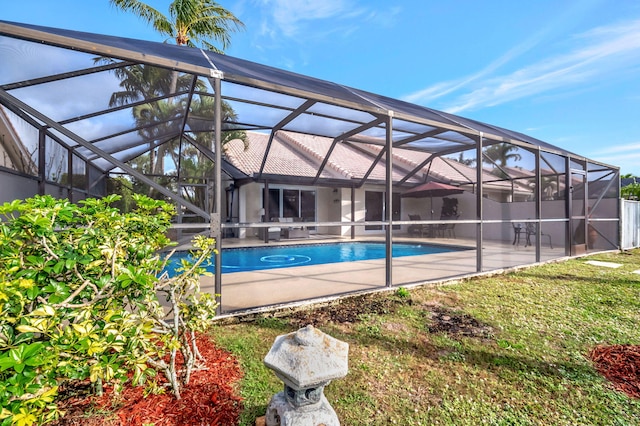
{"points": [[209, 399], [620, 364]]}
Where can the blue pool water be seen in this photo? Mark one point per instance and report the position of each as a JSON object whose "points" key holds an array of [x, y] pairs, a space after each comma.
{"points": [[271, 257]]}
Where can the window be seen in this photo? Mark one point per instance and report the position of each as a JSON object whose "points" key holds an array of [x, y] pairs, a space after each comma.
{"points": [[295, 203]]}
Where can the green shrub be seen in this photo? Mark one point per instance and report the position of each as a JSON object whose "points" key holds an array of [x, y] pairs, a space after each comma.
{"points": [[403, 293], [631, 191], [79, 298]]}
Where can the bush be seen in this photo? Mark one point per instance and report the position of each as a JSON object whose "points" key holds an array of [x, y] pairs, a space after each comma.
{"points": [[79, 297], [631, 191]]}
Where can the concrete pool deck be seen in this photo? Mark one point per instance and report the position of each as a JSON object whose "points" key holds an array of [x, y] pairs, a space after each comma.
{"points": [[257, 289]]}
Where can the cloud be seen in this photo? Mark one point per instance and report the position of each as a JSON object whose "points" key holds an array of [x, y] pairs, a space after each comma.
{"points": [[319, 19], [287, 17], [625, 156], [602, 51], [441, 89], [615, 149], [309, 23]]}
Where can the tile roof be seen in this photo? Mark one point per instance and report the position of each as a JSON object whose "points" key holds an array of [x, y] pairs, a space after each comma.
{"points": [[294, 154], [281, 160]]}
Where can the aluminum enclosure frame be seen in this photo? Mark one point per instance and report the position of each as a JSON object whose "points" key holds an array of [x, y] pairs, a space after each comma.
{"points": [[271, 100]]}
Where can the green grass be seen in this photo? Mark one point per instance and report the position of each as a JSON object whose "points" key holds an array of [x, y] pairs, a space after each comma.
{"points": [[532, 369]]}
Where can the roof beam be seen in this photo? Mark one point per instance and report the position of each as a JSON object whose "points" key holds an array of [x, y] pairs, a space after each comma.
{"points": [[344, 136], [152, 145], [122, 107], [183, 125], [288, 119], [373, 166], [424, 135], [430, 158], [63, 76]]}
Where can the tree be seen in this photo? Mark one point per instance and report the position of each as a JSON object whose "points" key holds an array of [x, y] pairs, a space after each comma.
{"points": [[192, 163], [502, 153], [631, 191], [193, 23], [466, 161], [190, 22]]}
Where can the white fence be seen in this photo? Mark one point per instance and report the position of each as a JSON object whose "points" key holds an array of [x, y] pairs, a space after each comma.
{"points": [[630, 224]]}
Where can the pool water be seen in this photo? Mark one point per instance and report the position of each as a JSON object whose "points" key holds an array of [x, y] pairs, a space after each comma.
{"points": [[272, 257]]}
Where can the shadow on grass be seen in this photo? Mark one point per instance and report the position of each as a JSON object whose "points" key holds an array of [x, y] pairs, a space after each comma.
{"points": [[492, 359], [443, 338], [627, 279]]}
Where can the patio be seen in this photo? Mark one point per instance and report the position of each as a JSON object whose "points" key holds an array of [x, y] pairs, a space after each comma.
{"points": [[266, 289]]}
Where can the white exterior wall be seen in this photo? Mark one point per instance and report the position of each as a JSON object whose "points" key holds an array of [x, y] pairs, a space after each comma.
{"points": [[327, 209], [333, 205], [249, 205]]}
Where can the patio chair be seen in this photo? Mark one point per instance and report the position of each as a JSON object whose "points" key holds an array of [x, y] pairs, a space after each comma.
{"points": [[532, 229], [290, 232], [419, 228], [414, 229], [272, 233], [517, 231], [448, 228]]}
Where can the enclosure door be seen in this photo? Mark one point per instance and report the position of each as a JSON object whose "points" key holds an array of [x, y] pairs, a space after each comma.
{"points": [[578, 207]]}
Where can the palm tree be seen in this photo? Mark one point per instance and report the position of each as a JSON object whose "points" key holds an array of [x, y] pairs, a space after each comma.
{"points": [[190, 22], [140, 82], [192, 163], [465, 161], [501, 153]]}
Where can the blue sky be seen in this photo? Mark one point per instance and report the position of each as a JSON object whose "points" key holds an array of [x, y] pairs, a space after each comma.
{"points": [[564, 71]]}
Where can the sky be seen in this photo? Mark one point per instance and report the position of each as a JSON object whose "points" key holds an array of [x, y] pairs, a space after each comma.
{"points": [[563, 71]]}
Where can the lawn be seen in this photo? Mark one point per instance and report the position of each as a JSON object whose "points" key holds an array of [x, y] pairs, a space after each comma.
{"points": [[506, 350]]}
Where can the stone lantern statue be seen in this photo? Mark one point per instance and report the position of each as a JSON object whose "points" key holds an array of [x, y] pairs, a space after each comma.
{"points": [[306, 361]]}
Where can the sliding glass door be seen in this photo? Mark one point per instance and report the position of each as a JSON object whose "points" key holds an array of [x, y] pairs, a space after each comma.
{"points": [[374, 203]]}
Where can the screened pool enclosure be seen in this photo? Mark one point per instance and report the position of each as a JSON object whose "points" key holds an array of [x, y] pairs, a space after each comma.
{"points": [[254, 155]]}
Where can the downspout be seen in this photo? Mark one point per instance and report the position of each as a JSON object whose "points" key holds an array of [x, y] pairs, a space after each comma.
{"points": [[568, 205], [70, 174]]}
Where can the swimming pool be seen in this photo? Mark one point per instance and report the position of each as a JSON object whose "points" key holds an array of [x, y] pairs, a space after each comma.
{"points": [[272, 257]]}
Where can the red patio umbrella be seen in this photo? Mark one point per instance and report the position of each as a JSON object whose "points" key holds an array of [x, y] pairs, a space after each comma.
{"points": [[432, 189]]}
